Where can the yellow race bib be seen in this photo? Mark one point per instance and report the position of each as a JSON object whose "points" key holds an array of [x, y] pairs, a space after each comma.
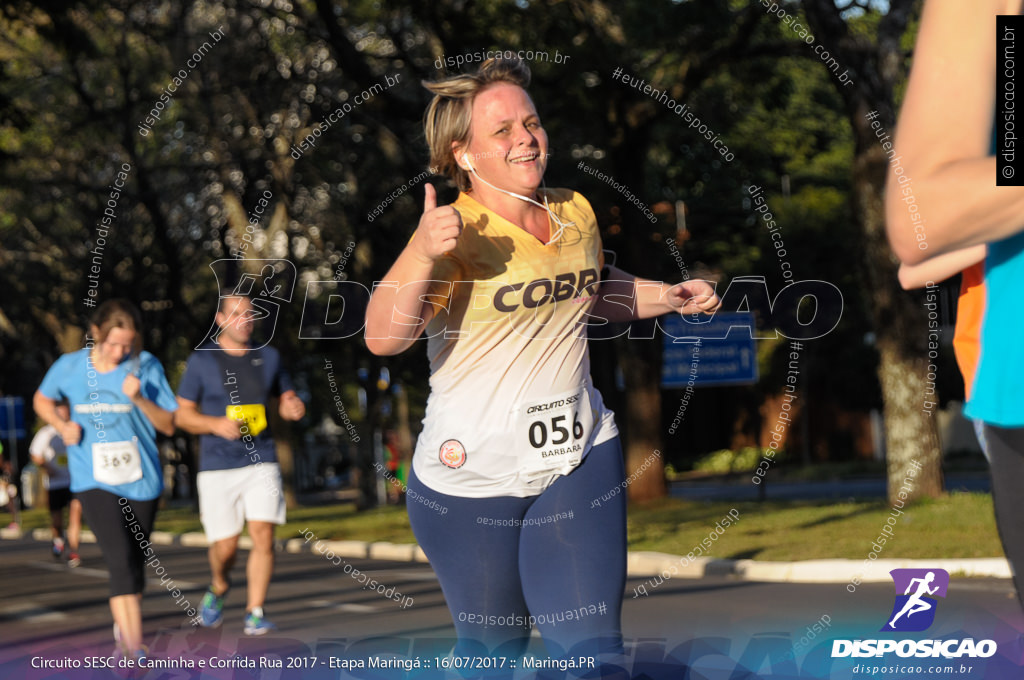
{"points": [[253, 415]]}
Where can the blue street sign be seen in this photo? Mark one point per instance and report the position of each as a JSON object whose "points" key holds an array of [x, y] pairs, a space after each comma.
{"points": [[728, 361], [12, 418]]}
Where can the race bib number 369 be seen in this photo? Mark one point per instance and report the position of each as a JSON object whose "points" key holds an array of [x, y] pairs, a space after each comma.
{"points": [[116, 463], [555, 430]]}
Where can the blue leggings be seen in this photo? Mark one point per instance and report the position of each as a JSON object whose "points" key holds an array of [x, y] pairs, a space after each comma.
{"points": [[552, 560]]}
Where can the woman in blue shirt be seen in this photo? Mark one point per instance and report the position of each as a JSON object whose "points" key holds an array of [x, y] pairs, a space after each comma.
{"points": [[119, 399]]}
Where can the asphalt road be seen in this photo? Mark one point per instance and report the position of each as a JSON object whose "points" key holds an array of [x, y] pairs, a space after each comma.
{"points": [[49, 613]]}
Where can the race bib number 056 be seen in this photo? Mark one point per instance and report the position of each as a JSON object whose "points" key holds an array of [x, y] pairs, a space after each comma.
{"points": [[555, 431], [116, 463]]}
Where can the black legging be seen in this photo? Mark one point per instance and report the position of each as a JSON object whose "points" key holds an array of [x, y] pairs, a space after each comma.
{"points": [[120, 527], [1006, 455]]}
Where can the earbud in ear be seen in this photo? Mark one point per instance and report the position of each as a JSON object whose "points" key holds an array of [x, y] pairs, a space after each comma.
{"points": [[469, 166]]}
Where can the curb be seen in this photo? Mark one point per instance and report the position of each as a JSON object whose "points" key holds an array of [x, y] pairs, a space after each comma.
{"points": [[638, 564], [851, 572]]}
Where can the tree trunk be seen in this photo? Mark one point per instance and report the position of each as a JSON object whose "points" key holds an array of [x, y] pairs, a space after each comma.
{"points": [[913, 458], [286, 459], [878, 65], [641, 368], [283, 446], [901, 326]]}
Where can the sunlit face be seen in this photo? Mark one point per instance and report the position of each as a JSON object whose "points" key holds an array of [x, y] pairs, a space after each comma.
{"points": [[507, 145], [236, 320], [116, 347]]}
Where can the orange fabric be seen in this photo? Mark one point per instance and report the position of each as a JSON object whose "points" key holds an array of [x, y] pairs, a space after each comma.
{"points": [[969, 313]]}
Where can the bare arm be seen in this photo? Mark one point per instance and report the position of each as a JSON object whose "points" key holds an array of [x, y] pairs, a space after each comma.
{"points": [[940, 268], [46, 409], [943, 138], [189, 418], [41, 462], [40, 458], [624, 297], [396, 314], [162, 419]]}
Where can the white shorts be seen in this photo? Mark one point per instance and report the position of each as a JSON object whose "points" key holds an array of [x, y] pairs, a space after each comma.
{"points": [[229, 498]]}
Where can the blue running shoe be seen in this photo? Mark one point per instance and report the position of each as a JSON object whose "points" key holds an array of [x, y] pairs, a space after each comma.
{"points": [[211, 609], [255, 624]]}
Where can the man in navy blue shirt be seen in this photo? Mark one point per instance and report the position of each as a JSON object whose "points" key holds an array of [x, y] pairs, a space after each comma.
{"points": [[223, 397]]}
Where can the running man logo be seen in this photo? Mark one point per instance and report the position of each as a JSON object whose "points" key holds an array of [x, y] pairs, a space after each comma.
{"points": [[914, 609], [267, 283]]}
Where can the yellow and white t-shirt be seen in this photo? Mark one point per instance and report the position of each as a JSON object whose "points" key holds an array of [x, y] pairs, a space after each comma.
{"points": [[512, 405]]}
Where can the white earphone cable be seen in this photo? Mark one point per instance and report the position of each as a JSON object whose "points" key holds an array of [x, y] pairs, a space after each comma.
{"points": [[561, 225]]}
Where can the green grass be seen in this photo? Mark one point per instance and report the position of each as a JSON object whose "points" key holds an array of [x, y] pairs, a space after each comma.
{"points": [[342, 522], [389, 524], [957, 525]]}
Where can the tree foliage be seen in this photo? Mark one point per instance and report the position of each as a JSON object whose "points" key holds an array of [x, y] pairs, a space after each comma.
{"points": [[78, 78]]}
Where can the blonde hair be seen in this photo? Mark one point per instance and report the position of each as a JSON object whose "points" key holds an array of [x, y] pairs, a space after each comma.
{"points": [[449, 114]]}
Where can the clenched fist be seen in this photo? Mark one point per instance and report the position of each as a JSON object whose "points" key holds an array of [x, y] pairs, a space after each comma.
{"points": [[693, 297], [291, 407], [70, 432], [132, 387], [226, 428]]}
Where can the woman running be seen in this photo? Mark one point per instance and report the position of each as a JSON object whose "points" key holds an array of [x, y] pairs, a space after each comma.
{"points": [[119, 399], [516, 440]]}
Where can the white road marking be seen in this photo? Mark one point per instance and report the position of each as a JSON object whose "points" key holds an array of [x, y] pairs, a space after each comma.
{"points": [[425, 575], [30, 613], [344, 607], [357, 608], [151, 577]]}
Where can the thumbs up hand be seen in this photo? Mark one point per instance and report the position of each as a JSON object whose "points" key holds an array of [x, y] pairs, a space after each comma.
{"points": [[438, 230]]}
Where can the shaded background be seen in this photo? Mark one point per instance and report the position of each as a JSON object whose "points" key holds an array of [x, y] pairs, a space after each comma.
{"points": [[78, 78]]}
